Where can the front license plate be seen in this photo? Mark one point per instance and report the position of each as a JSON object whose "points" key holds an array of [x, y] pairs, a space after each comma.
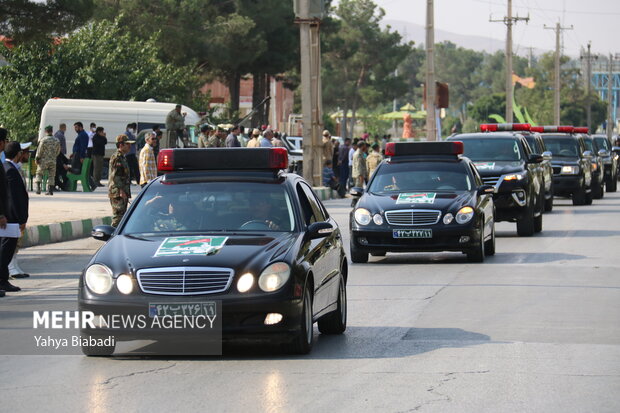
{"points": [[412, 233], [182, 309]]}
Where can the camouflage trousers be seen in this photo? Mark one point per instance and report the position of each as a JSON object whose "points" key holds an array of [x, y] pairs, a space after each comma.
{"points": [[50, 168], [119, 207]]}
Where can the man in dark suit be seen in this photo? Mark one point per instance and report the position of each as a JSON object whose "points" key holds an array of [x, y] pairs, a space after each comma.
{"points": [[3, 205], [17, 212]]}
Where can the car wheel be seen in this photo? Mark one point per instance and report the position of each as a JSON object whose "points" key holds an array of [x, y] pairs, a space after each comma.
{"points": [[597, 190], [378, 254], [489, 245], [97, 351], [549, 202], [336, 321], [579, 197], [357, 256], [588, 200], [525, 225], [477, 253], [612, 184], [302, 342]]}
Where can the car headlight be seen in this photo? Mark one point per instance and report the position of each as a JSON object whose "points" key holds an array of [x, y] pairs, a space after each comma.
{"points": [[246, 281], [570, 170], [464, 215], [124, 283], [98, 279], [594, 167], [448, 218], [362, 216], [513, 177], [377, 219], [274, 277]]}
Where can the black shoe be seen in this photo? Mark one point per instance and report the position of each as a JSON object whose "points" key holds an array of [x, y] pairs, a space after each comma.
{"points": [[8, 287], [24, 275]]}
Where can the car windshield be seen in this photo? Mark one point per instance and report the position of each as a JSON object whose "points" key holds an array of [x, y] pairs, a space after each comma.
{"points": [[212, 206], [565, 146], [420, 176], [602, 143], [589, 146], [489, 149]]}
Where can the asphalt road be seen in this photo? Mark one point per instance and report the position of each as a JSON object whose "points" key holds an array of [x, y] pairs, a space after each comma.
{"points": [[534, 328]]}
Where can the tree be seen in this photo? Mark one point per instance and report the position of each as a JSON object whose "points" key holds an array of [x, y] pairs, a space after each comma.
{"points": [[359, 66], [99, 61], [25, 20], [487, 105]]}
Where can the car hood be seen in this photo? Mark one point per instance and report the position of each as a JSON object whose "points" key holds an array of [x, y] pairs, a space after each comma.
{"points": [[442, 200], [126, 252], [494, 168]]}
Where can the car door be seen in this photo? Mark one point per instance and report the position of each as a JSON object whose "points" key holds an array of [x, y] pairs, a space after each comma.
{"points": [[485, 202]]}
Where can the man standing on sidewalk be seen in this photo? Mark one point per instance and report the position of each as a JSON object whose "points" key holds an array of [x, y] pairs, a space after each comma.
{"points": [[3, 208], [148, 166], [119, 190], [17, 212], [99, 143], [46, 155]]}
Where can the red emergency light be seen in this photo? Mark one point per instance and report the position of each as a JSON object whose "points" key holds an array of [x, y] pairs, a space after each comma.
{"points": [[504, 127], [210, 159], [165, 160], [581, 129], [537, 129], [566, 129], [424, 148]]}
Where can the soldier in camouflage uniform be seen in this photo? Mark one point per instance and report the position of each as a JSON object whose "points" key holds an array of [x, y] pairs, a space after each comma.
{"points": [[119, 183], [48, 150]]}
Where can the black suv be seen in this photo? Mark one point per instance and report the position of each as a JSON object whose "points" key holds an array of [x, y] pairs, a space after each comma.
{"points": [[572, 167], [537, 144], [598, 170], [610, 161], [505, 160]]}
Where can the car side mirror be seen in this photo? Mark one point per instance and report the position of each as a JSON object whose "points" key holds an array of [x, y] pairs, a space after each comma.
{"points": [[102, 232], [319, 230], [535, 158], [603, 153], [356, 191], [588, 154], [547, 155], [486, 189], [616, 149]]}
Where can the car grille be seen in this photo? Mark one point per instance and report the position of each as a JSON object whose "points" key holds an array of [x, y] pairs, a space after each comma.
{"points": [[491, 180], [184, 280], [413, 217]]}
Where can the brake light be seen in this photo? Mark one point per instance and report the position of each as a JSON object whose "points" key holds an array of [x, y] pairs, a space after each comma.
{"points": [[165, 160], [390, 149], [278, 158], [581, 129], [565, 129]]}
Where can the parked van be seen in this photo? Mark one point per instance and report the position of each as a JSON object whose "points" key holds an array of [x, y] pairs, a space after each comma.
{"points": [[113, 115]]}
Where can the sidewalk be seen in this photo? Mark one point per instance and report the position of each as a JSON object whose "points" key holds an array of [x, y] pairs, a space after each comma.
{"points": [[71, 215]]}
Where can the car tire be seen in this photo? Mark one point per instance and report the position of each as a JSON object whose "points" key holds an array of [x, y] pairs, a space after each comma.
{"points": [[357, 256], [378, 254], [98, 351], [336, 321], [598, 190], [588, 200], [549, 202], [579, 196], [612, 184], [302, 342], [538, 221], [477, 253], [525, 225], [489, 245]]}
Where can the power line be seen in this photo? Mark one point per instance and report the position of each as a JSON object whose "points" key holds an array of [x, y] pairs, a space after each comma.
{"points": [[555, 10]]}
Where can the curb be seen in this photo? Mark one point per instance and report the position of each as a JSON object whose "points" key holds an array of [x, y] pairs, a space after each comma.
{"points": [[61, 231], [70, 230]]}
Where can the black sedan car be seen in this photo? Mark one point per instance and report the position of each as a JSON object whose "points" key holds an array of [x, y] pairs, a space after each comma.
{"points": [[224, 232], [424, 197]]}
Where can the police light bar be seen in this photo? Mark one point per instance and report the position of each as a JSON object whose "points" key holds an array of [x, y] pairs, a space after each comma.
{"points": [[547, 129], [581, 129], [504, 127], [537, 129], [423, 148], [210, 159]]}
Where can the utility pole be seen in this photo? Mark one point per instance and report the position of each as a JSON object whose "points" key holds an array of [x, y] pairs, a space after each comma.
{"points": [[588, 58], [431, 125], [556, 92], [508, 20], [530, 57], [311, 98]]}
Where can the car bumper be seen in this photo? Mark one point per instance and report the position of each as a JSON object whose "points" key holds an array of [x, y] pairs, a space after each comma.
{"points": [[240, 318], [442, 240], [510, 206], [566, 185]]}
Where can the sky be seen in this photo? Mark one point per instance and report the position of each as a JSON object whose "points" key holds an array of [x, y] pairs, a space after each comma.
{"points": [[597, 21]]}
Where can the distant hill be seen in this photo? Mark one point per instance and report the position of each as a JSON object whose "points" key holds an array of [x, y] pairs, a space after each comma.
{"points": [[417, 33]]}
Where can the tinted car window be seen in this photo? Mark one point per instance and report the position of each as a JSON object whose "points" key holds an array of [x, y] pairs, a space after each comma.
{"points": [[588, 143], [314, 203], [211, 206], [492, 149], [562, 146], [602, 143], [307, 211], [420, 176]]}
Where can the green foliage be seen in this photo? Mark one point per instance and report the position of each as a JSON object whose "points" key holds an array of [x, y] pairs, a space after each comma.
{"points": [[99, 61], [487, 105]]}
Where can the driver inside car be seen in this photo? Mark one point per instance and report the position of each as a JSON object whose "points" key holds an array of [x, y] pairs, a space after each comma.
{"points": [[262, 215]]}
